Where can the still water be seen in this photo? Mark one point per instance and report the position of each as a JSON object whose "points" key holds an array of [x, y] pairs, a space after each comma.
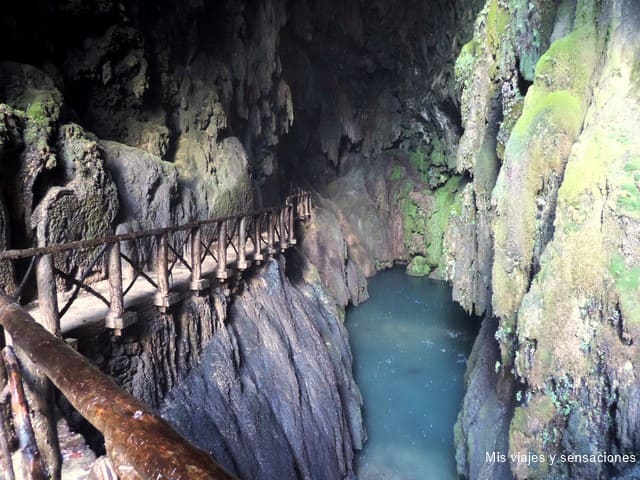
{"points": [[410, 343]]}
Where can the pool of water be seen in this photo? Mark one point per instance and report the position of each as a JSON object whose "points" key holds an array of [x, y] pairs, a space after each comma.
{"points": [[410, 344]]}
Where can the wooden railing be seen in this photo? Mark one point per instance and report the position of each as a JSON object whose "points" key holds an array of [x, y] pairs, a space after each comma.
{"points": [[152, 257], [139, 444], [109, 271]]}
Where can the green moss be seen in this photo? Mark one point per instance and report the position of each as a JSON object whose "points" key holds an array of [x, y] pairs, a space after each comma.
{"points": [[561, 109], [496, 22], [569, 62], [397, 173], [418, 266], [447, 201], [592, 168], [419, 161], [627, 281], [438, 155], [465, 63]]}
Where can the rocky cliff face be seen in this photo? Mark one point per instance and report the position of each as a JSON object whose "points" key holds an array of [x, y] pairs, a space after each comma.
{"points": [[273, 395], [556, 226]]}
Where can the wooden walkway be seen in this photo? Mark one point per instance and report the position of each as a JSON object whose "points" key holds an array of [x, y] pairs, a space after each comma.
{"points": [[97, 280]]}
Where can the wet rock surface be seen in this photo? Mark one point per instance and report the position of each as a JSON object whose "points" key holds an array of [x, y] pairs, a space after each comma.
{"points": [[558, 230], [273, 395]]}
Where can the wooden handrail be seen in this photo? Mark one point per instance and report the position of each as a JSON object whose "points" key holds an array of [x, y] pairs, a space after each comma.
{"points": [[94, 242], [139, 443]]}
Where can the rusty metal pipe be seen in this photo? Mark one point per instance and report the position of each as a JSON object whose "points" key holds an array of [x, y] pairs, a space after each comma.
{"points": [[140, 444]]}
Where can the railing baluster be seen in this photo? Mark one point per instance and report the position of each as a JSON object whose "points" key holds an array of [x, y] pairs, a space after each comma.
{"points": [[197, 283], [270, 234], [282, 221], [257, 235], [163, 264], [242, 244], [291, 240], [47, 294], [117, 318], [221, 271], [164, 298]]}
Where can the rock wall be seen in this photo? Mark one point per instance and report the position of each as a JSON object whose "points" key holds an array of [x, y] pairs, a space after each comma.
{"points": [[274, 396], [550, 229], [182, 126], [376, 131]]}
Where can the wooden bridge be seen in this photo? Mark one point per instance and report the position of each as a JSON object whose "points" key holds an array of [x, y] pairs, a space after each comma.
{"points": [[100, 279]]}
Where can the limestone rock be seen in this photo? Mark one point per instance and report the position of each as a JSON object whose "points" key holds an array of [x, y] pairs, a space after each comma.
{"points": [[84, 208], [147, 187], [291, 410]]}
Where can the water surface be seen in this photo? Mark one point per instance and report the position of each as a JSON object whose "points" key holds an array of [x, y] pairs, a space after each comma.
{"points": [[410, 343]]}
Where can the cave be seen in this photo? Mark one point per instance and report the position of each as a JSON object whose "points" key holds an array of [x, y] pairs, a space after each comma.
{"points": [[195, 198]]}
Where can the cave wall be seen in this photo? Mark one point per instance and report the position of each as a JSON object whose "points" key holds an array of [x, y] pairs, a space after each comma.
{"points": [[376, 132], [274, 392], [549, 230], [184, 124]]}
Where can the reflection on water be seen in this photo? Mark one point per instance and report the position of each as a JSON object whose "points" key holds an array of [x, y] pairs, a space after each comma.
{"points": [[410, 344]]}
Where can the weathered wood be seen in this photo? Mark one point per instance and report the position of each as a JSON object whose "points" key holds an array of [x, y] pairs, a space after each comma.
{"points": [[242, 244], [164, 298], [96, 242], [47, 294], [257, 238], [6, 465], [197, 282], [291, 238], [116, 308], [221, 271], [282, 222], [139, 443], [117, 318], [38, 389], [35, 468], [270, 233], [162, 264]]}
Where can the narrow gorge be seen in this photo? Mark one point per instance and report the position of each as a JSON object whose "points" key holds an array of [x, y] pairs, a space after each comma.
{"points": [[489, 144]]}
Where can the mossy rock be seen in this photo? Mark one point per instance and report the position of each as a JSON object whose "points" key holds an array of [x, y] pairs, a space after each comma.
{"points": [[465, 63], [627, 283], [418, 267]]}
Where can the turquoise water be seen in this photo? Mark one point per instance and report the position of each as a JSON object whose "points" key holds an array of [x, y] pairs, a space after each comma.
{"points": [[410, 344]]}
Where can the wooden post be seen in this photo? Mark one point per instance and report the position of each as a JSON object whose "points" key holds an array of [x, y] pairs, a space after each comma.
{"points": [[47, 294], [270, 234], [21, 419], [282, 221], [197, 282], [242, 244], [38, 389], [221, 271], [6, 464], [257, 236], [117, 318], [290, 216], [164, 298]]}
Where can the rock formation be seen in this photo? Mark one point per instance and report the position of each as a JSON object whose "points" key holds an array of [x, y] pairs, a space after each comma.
{"points": [[561, 225], [273, 395], [489, 143]]}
